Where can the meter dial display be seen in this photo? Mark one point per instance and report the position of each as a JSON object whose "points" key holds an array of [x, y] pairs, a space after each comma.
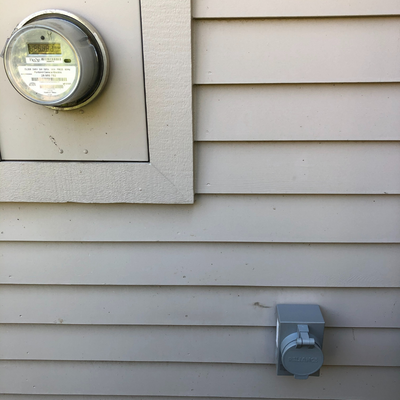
{"points": [[53, 62]]}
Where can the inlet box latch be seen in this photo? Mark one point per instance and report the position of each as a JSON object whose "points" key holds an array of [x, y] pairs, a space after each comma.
{"points": [[299, 337]]}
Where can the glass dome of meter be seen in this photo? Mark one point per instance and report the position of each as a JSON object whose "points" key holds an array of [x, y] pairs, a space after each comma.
{"points": [[52, 61]]}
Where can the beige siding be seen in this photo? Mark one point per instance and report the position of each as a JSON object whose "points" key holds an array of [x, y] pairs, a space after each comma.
{"points": [[344, 346], [329, 168], [297, 50], [107, 397], [201, 379], [165, 305], [200, 264], [213, 218], [298, 201], [292, 8], [306, 112]]}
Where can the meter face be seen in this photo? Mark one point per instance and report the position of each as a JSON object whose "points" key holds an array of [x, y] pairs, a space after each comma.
{"points": [[43, 66]]}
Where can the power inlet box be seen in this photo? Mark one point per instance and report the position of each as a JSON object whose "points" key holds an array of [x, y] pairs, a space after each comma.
{"points": [[299, 339]]}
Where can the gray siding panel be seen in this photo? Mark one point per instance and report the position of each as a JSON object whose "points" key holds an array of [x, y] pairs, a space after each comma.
{"points": [[327, 168], [338, 112], [107, 397], [223, 218], [292, 8], [177, 305], [170, 379], [297, 50], [238, 345], [200, 264]]}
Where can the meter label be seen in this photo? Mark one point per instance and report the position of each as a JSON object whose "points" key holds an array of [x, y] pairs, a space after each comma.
{"points": [[36, 60], [48, 81]]}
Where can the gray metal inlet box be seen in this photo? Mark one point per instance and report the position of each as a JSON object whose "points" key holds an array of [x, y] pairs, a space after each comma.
{"points": [[299, 337]]}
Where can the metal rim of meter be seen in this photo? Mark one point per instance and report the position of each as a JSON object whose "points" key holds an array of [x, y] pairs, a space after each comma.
{"points": [[96, 40]]}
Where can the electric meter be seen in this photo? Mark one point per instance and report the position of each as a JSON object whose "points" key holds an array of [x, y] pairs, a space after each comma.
{"points": [[56, 59]]}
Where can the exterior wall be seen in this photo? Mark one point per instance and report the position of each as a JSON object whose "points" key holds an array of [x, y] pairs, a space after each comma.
{"points": [[298, 200]]}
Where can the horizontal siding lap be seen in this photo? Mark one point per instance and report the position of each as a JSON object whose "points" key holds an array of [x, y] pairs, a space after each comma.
{"points": [[101, 397], [335, 168], [110, 305], [108, 397], [218, 380], [213, 218], [292, 8], [322, 50], [200, 264], [240, 345], [297, 112]]}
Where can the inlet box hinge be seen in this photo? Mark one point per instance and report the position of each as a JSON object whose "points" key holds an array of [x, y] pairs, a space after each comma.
{"points": [[303, 338]]}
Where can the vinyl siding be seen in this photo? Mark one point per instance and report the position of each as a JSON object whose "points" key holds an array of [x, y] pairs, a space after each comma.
{"points": [[298, 201], [332, 112], [266, 264], [190, 344], [292, 8], [307, 50]]}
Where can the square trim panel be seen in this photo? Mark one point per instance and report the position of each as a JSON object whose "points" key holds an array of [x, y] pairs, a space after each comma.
{"points": [[168, 176], [111, 128]]}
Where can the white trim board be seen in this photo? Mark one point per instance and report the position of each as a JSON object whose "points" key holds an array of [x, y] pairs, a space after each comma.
{"points": [[168, 178]]}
